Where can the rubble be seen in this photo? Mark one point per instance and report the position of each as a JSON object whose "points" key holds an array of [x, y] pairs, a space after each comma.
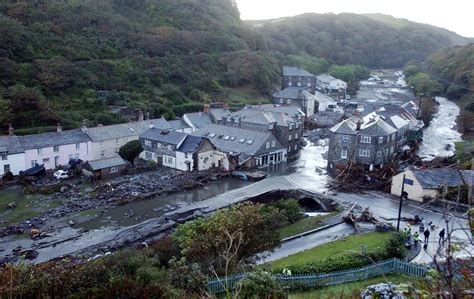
{"points": [[356, 216]]}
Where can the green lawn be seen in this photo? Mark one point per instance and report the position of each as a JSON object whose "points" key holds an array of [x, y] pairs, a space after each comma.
{"points": [[374, 241], [353, 289], [304, 225]]}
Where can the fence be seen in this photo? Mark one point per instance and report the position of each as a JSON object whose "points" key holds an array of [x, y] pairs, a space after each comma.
{"points": [[319, 280]]}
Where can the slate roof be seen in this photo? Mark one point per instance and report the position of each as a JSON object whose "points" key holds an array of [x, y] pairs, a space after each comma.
{"points": [[166, 136], [291, 92], [347, 126], [434, 177], [325, 78], [372, 125], [219, 113], [178, 124], [106, 163], [190, 144], [468, 177], [125, 130], [10, 144], [53, 139], [296, 71], [291, 110], [264, 117], [239, 144], [199, 119]]}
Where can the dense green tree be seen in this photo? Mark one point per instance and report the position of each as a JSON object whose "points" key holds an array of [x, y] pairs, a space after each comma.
{"points": [[131, 150]]}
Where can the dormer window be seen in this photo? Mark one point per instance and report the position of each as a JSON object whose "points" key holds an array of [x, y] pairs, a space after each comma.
{"points": [[270, 126]]}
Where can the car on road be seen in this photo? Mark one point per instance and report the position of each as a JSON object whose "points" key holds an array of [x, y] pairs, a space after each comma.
{"points": [[61, 175]]}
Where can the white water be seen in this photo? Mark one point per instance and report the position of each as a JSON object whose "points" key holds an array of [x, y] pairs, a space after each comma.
{"points": [[439, 137]]}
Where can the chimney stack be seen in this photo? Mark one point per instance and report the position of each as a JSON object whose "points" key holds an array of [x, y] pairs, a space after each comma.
{"points": [[359, 123], [147, 115], [140, 116], [11, 131], [151, 125], [59, 128], [225, 105], [207, 108], [84, 125]]}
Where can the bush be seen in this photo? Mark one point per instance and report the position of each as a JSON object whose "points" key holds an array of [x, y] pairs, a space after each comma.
{"points": [[290, 209], [261, 284]]}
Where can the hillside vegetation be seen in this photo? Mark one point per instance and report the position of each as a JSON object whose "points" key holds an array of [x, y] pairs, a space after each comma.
{"points": [[373, 40], [69, 60]]}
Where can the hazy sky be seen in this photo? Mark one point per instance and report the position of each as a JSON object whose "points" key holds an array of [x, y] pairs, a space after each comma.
{"points": [[454, 15]]}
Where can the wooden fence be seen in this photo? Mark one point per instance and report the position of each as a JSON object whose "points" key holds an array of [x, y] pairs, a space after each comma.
{"points": [[319, 280]]}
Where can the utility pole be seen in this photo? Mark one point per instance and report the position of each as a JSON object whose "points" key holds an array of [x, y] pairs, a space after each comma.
{"points": [[401, 201]]}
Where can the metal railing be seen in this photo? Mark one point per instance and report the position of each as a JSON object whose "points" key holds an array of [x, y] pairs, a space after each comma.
{"points": [[326, 279]]}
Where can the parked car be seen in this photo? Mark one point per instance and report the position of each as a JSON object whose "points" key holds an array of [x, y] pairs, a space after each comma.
{"points": [[61, 175]]}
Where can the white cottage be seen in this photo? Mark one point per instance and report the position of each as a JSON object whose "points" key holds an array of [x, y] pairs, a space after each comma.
{"points": [[12, 155]]}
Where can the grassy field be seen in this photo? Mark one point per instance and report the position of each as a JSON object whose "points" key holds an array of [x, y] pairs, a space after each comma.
{"points": [[373, 241], [353, 289], [305, 224]]}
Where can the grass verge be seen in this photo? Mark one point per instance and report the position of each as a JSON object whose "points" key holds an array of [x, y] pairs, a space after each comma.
{"points": [[374, 241]]}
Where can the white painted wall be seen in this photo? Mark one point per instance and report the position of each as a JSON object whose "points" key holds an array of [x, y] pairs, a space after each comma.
{"points": [[110, 147], [415, 191], [48, 156], [16, 162]]}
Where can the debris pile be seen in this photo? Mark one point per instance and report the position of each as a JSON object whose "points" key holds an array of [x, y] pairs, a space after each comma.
{"points": [[355, 215]]}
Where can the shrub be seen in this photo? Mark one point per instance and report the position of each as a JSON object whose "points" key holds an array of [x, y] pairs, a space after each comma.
{"points": [[261, 284]]}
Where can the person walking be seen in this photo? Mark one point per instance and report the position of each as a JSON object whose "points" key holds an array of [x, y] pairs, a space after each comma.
{"points": [[427, 235], [441, 236]]}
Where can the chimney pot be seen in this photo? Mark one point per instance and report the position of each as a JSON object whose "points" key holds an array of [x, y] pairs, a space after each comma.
{"points": [[207, 108], [359, 123], [140, 116]]}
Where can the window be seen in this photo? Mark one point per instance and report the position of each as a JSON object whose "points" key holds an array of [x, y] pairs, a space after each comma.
{"points": [[39, 151], [226, 137], [232, 138], [297, 125], [344, 153], [379, 154], [114, 169], [308, 84], [365, 139], [267, 145], [147, 142], [237, 119], [296, 147], [270, 126], [56, 148], [4, 156], [46, 161], [299, 83], [148, 156], [364, 153], [101, 144], [185, 155], [170, 147], [290, 127], [345, 138], [242, 140], [102, 153], [393, 136], [250, 141], [273, 143], [380, 140], [289, 83], [169, 160], [289, 149], [296, 136], [212, 135], [34, 163], [78, 146], [288, 101], [281, 101], [6, 168]]}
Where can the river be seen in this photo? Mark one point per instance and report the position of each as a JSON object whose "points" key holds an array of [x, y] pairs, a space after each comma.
{"points": [[441, 134]]}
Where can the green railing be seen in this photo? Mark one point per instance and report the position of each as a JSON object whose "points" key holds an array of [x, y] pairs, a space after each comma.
{"points": [[319, 280]]}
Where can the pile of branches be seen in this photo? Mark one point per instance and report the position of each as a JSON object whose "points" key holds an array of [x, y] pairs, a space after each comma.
{"points": [[354, 178]]}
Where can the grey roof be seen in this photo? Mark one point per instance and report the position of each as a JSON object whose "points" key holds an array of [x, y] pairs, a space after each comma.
{"points": [[347, 126], [374, 126], [325, 78], [106, 163], [219, 113], [468, 177], [291, 92], [178, 124], [291, 110], [10, 144], [125, 130], [199, 119], [166, 136], [264, 117], [53, 139], [433, 178], [296, 71], [190, 144], [246, 141]]}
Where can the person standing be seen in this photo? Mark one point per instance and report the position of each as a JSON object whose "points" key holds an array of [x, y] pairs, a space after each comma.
{"points": [[427, 235], [416, 237], [441, 236]]}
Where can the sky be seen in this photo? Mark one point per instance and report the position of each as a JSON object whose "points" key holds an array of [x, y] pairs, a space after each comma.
{"points": [[454, 15]]}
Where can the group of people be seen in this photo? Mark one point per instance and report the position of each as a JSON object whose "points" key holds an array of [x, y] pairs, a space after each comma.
{"points": [[426, 234]]}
